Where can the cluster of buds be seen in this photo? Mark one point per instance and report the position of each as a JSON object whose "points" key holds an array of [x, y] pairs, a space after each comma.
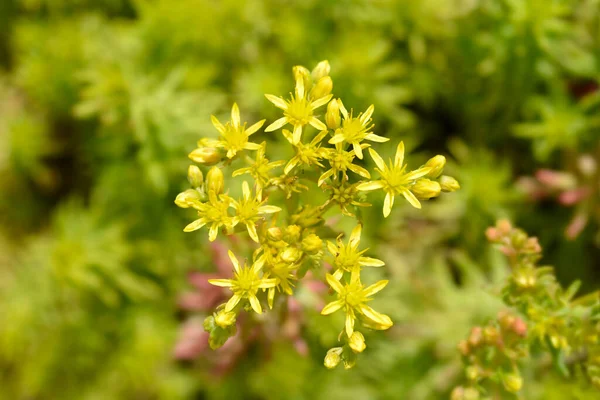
{"points": [[493, 353], [577, 187], [551, 320], [291, 238]]}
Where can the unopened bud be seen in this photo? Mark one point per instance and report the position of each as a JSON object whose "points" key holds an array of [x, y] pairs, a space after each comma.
{"points": [[215, 180], [291, 255], [322, 69], [425, 189], [357, 342], [506, 320], [332, 117], [463, 347], [322, 88], [205, 155], [504, 226], [195, 176], [303, 73], [225, 318], [449, 184], [491, 335], [292, 233], [512, 382], [333, 357], [437, 165], [472, 373], [476, 336], [274, 234], [461, 393], [312, 244], [519, 327], [186, 199], [525, 278]]}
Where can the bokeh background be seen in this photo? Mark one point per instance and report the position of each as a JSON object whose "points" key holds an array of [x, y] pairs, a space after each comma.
{"points": [[102, 295]]}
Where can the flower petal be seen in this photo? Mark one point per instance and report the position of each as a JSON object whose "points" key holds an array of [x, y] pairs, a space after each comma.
{"points": [[357, 150], [399, 159], [268, 209], [233, 301], [212, 233], [219, 126], [332, 307], [355, 235], [388, 204], [411, 199], [278, 101], [367, 114], [235, 116], [376, 138], [377, 158], [359, 170], [337, 138], [234, 261], [267, 283], [277, 124], [194, 226], [297, 135], [370, 262], [320, 102], [252, 231], [375, 288], [252, 129], [380, 319], [334, 283], [314, 121], [350, 323], [255, 304], [369, 186], [324, 176], [252, 146], [342, 108], [221, 282]]}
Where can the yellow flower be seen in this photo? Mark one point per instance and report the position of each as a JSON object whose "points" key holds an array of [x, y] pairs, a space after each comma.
{"points": [[213, 213], [356, 129], [341, 161], [259, 170], [394, 179], [345, 195], [245, 284], [353, 298], [249, 209], [347, 258], [306, 154], [234, 135], [298, 111], [282, 272], [288, 184]]}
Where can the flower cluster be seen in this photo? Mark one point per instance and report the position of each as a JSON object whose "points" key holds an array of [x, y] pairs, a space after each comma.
{"points": [[543, 317], [292, 237]]}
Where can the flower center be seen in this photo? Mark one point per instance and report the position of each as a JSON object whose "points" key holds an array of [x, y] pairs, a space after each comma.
{"points": [[354, 130], [299, 111]]}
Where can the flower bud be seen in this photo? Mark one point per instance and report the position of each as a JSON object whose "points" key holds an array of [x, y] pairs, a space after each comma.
{"points": [[525, 278], [463, 347], [195, 176], [491, 335], [225, 318], [323, 87], [332, 117], [274, 233], [186, 199], [357, 342], [322, 69], [291, 255], [436, 164], [512, 382], [292, 233], [312, 244], [303, 73], [472, 373], [333, 357], [205, 155], [215, 180], [425, 189], [476, 336], [461, 393], [449, 184]]}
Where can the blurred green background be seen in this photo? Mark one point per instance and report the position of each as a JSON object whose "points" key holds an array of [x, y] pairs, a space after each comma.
{"points": [[101, 293]]}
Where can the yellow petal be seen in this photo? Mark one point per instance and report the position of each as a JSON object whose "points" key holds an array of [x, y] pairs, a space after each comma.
{"points": [[369, 186], [367, 115], [234, 261], [332, 307], [399, 159], [334, 283], [355, 235], [376, 138], [349, 323], [278, 101], [277, 124], [233, 301], [370, 262], [388, 203], [221, 282], [197, 224], [252, 231], [217, 124], [255, 304], [235, 116], [377, 158], [375, 288], [379, 319], [252, 129], [320, 102], [411, 199], [297, 134], [357, 150]]}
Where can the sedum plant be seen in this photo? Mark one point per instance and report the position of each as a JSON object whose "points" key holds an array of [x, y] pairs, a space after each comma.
{"points": [[280, 209], [544, 319]]}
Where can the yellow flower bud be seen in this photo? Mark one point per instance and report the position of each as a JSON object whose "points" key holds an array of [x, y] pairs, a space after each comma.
{"points": [[195, 176], [461, 393], [312, 244], [332, 117], [357, 342], [436, 164], [426, 189], [225, 318], [292, 233], [333, 357], [205, 155], [186, 199], [215, 180], [323, 87], [449, 184], [291, 255], [302, 72], [322, 69], [472, 373], [274, 234], [512, 382]]}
